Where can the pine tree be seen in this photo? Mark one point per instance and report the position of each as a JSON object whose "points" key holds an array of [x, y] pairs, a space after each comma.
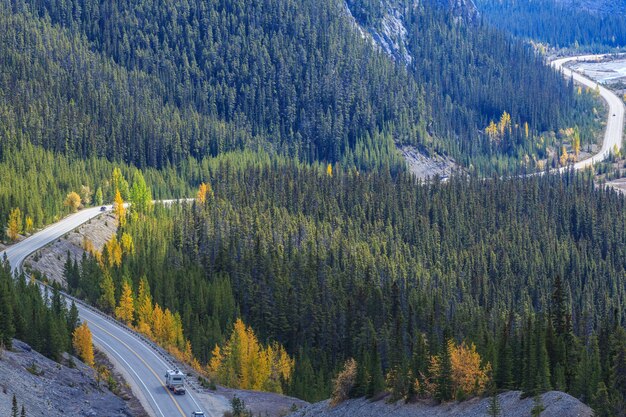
{"points": [[504, 372], [14, 408], [444, 379], [72, 318], [377, 382], [542, 380], [494, 410], [7, 326]]}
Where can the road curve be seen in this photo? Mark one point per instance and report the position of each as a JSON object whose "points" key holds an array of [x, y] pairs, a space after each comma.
{"points": [[615, 123], [142, 363]]}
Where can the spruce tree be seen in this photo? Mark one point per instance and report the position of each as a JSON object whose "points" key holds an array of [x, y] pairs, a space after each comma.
{"points": [[14, 408], [542, 380], [444, 379]]}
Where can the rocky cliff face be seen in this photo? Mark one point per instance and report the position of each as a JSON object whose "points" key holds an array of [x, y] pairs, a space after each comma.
{"points": [[47, 388], [385, 22], [555, 404]]}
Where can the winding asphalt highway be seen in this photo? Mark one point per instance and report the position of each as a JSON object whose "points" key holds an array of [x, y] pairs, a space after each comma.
{"points": [[137, 358], [615, 124]]}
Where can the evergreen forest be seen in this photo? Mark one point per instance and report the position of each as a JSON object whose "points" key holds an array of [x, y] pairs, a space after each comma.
{"points": [[337, 264], [558, 23]]}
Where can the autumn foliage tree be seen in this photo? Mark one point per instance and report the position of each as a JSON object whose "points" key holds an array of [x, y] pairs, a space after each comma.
{"points": [[245, 363], [120, 209], [125, 308], [73, 201], [83, 345], [343, 384], [468, 376], [205, 191], [14, 227]]}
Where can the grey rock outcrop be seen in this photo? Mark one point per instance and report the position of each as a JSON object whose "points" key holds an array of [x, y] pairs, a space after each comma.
{"points": [[556, 404]]}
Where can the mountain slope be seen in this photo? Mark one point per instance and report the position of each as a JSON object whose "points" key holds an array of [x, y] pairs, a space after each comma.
{"points": [[157, 81], [592, 25]]}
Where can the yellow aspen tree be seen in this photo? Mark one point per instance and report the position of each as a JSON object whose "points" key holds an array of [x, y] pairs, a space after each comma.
{"points": [[73, 201], [204, 192], [125, 310], [14, 227], [82, 343], [28, 228], [120, 210], [329, 170]]}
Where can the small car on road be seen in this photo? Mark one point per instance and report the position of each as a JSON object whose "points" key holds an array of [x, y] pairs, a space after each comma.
{"points": [[103, 208], [197, 414]]}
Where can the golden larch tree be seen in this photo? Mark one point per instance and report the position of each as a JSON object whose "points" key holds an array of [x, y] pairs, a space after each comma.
{"points": [[125, 310], [492, 130], [245, 363], [29, 224], [157, 323], [564, 156], [120, 210], [83, 345], [14, 227], [205, 191], [144, 308], [505, 122], [329, 170], [114, 252], [468, 374], [128, 247]]}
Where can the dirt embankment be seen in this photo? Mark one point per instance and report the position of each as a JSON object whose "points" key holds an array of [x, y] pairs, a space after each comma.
{"points": [[555, 403], [47, 388], [50, 260]]}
